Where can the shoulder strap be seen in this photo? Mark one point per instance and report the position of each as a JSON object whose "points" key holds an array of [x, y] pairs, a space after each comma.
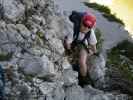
{"points": [[76, 32], [87, 36]]}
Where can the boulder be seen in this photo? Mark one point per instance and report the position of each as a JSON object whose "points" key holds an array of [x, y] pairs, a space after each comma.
{"points": [[23, 31], [98, 71], [42, 67], [52, 91], [74, 92], [95, 94], [13, 10], [70, 77], [59, 47]]}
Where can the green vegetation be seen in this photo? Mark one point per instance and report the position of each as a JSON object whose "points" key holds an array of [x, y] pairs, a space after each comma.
{"points": [[28, 77], [112, 18], [105, 12], [5, 57], [98, 7], [40, 34], [121, 57], [99, 39]]}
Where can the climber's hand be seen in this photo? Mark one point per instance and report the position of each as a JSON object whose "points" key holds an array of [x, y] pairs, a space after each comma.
{"points": [[90, 52], [96, 54]]}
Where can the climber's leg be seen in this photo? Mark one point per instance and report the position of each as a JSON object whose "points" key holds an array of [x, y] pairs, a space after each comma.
{"points": [[82, 62]]}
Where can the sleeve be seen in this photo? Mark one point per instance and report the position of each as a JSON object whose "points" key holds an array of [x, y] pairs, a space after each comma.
{"points": [[92, 39]]}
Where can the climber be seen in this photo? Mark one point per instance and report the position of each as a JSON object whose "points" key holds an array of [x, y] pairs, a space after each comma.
{"points": [[83, 38]]}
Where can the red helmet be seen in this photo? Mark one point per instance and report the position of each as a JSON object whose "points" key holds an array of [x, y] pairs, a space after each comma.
{"points": [[89, 20]]}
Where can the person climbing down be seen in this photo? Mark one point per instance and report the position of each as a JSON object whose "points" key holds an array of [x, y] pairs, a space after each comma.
{"points": [[83, 38]]}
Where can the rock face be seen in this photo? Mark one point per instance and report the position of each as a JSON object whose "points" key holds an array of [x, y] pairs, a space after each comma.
{"points": [[13, 9], [37, 66], [32, 55], [94, 94], [98, 71], [74, 93]]}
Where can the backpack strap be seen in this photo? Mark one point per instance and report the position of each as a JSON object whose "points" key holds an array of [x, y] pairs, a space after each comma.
{"points": [[87, 36], [76, 33]]}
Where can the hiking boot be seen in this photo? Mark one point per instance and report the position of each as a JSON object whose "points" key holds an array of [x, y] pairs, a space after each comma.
{"points": [[85, 81]]}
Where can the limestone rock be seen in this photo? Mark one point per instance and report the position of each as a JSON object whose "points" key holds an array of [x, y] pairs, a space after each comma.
{"points": [[70, 77], [97, 71], [41, 67], [13, 9], [74, 93]]}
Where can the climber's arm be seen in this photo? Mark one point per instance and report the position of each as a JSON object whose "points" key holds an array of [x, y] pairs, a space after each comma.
{"points": [[92, 49]]}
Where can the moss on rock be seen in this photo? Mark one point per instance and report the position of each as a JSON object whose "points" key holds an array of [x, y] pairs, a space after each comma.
{"points": [[99, 39], [105, 12], [5, 57]]}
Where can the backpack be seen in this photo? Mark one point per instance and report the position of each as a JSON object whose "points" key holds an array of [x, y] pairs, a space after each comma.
{"points": [[75, 18]]}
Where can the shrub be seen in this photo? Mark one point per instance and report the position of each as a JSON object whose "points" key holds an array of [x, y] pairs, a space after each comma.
{"points": [[5, 57], [121, 57]]}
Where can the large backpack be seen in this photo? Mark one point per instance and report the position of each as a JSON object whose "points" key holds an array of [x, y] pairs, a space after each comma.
{"points": [[75, 18]]}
